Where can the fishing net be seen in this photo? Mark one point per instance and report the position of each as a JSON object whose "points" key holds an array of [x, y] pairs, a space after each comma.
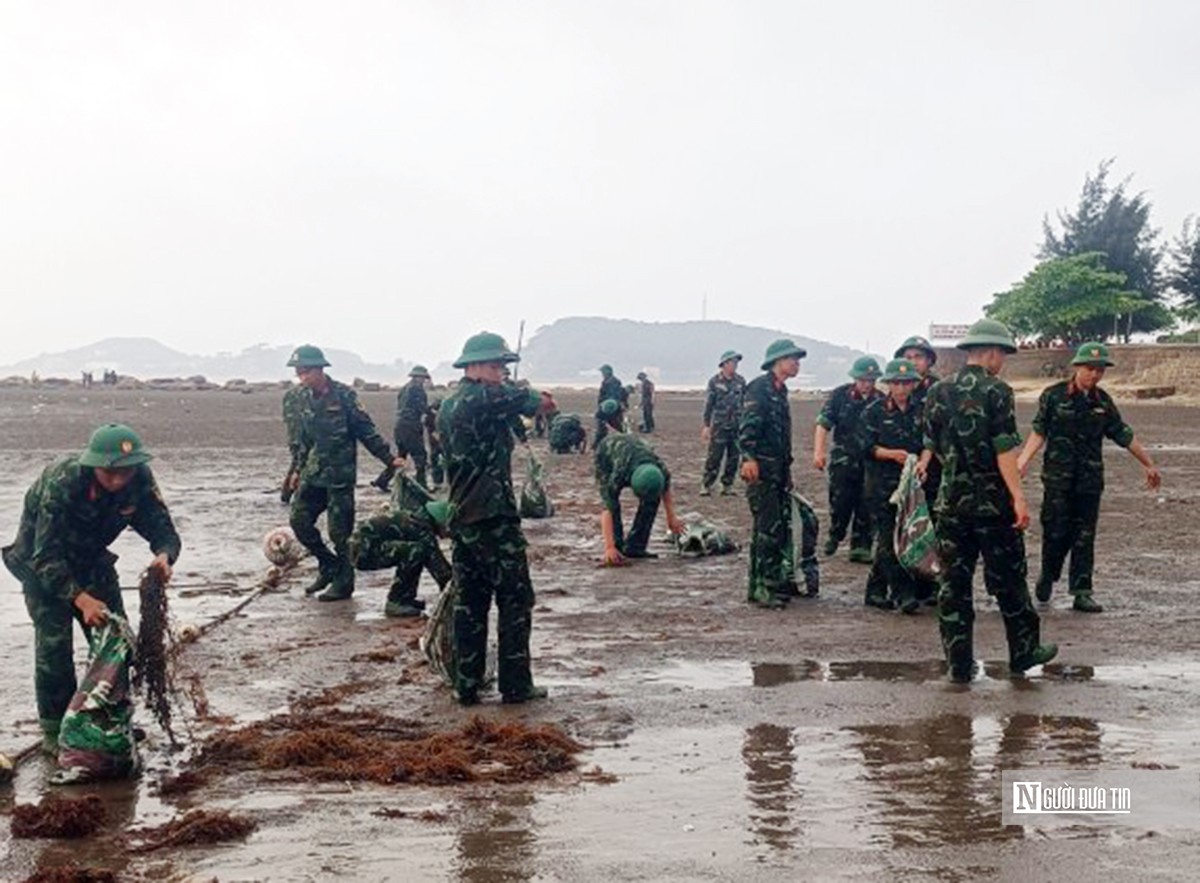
{"points": [[535, 502], [437, 642], [96, 738], [915, 543], [704, 538]]}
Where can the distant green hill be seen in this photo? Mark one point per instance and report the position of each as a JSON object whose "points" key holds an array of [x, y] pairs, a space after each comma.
{"points": [[673, 353]]}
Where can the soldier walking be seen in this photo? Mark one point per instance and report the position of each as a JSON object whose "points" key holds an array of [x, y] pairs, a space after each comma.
{"points": [[623, 461], [475, 425], [412, 406], [971, 427], [332, 422], [72, 514], [765, 444], [1073, 419], [847, 466], [722, 413], [646, 396]]}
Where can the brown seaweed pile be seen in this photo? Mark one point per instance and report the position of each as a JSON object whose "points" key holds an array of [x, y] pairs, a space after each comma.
{"points": [[72, 874], [184, 783], [152, 672], [369, 747], [58, 816], [197, 827]]}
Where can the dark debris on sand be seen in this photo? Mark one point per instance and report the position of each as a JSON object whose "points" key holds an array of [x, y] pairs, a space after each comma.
{"points": [[59, 817]]}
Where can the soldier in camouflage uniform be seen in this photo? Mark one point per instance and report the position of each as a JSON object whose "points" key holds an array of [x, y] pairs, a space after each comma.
{"points": [[1073, 419], [890, 430], [646, 394], [847, 464], [291, 422], [921, 353], [971, 427], [722, 413], [406, 538], [72, 513], [475, 425], [412, 407], [623, 461], [612, 389], [567, 434], [765, 445], [332, 422], [437, 458]]}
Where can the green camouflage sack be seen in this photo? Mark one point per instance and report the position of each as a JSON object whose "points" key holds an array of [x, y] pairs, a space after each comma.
{"points": [[704, 538], [915, 543]]}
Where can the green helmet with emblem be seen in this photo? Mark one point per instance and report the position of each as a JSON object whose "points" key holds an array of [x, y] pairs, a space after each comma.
{"points": [[307, 356], [782, 349], [989, 332], [865, 368], [900, 371], [485, 346], [114, 446], [727, 355], [419, 371], [916, 342], [647, 482], [1094, 354]]}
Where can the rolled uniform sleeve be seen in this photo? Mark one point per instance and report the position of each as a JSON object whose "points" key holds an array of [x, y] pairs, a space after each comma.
{"points": [[1041, 419], [710, 401], [1002, 419], [828, 416], [362, 427]]}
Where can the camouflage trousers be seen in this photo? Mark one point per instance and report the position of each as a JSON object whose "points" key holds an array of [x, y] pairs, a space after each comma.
{"points": [[960, 544], [437, 462], [810, 527], [647, 418], [1069, 528], [848, 502], [722, 445], [489, 561], [54, 647], [338, 505], [385, 541], [639, 532], [889, 579], [771, 577], [410, 442]]}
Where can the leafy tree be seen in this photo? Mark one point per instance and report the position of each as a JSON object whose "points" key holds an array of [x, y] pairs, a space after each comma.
{"points": [[1069, 299], [1110, 221], [1183, 274]]}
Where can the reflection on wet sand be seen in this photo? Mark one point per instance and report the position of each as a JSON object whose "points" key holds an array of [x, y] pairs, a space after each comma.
{"points": [[770, 758], [497, 842], [938, 778]]}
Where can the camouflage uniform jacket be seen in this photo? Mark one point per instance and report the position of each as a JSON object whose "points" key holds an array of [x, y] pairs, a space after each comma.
{"points": [[968, 421], [292, 404], [646, 390], [765, 431], [412, 403], [612, 388], [840, 413], [1075, 424], [921, 390], [723, 404], [475, 426], [69, 521], [616, 459], [884, 425], [330, 427]]}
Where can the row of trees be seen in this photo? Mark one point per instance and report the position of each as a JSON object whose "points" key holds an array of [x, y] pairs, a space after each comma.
{"points": [[1104, 272]]}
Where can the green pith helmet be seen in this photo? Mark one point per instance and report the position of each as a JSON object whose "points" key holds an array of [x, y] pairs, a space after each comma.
{"points": [[865, 368], [419, 371], [307, 356], [606, 370], [641, 375], [647, 481], [781, 349], [114, 446], [485, 347], [989, 332], [901, 370], [609, 407], [727, 355], [916, 342], [439, 511], [1094, 354]]}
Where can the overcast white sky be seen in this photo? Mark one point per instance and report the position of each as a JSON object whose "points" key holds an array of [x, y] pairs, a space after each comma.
{"points": [[390, 177]]}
